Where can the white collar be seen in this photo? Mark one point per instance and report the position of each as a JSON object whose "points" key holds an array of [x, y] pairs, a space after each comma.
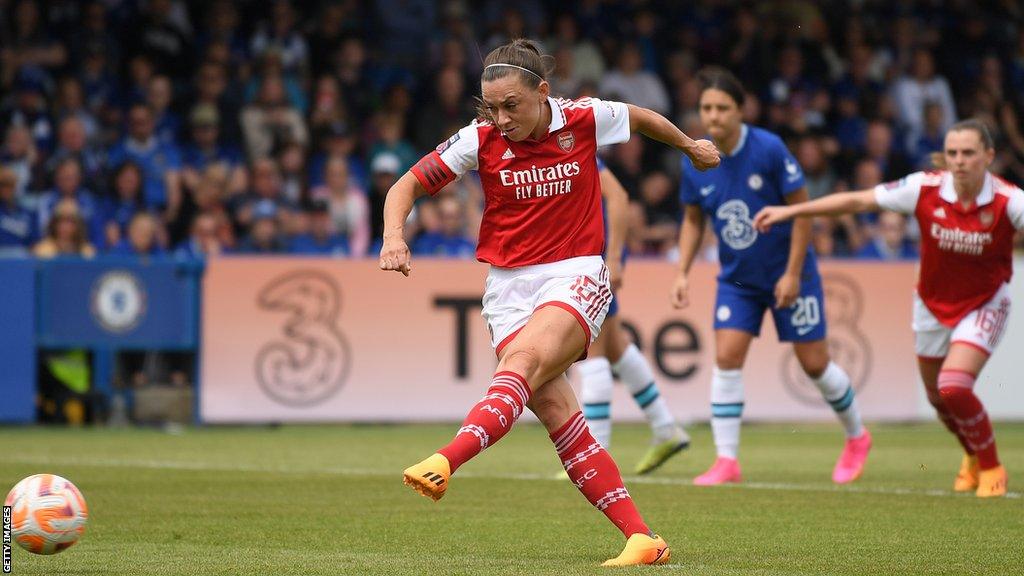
{"points": [[558, 120], [744, 132], [948, 193], [557, 116]]}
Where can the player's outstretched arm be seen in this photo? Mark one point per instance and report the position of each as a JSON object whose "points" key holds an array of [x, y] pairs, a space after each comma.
{"points": [[702, 153], [394, 253], [616, 201], [831, 205]]}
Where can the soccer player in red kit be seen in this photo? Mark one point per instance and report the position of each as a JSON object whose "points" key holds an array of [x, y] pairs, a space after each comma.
{"points": [[548, 290], [968, 218]]}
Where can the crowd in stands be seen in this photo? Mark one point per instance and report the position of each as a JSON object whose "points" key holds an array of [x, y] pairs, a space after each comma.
{"points": [[186, 128]]}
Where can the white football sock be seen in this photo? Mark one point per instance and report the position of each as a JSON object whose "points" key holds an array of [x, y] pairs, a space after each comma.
{"points": [[596, 395], [838, 392], [636, 374], [726, 410]]}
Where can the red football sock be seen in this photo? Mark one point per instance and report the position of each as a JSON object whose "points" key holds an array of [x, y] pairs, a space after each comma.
{"points": [[593, 471], [490, 419], [947, 418], [956, 389]]}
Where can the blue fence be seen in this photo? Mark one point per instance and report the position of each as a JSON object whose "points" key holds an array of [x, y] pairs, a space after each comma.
{"points": [[105, 304]]}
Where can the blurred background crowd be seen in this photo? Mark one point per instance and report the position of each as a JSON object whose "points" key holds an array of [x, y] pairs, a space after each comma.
{"points": [[185, 128]]}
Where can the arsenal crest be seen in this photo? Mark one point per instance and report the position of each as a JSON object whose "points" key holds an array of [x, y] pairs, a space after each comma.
{"points": [[986, 218], [566, 141]]}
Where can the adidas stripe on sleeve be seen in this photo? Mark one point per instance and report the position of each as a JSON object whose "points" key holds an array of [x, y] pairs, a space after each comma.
{"points": [[449, 161]]}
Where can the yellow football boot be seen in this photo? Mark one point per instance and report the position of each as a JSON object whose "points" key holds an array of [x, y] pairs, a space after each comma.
{"points": [[641, 549], [992, 483], [967, 477], [429, 477]]}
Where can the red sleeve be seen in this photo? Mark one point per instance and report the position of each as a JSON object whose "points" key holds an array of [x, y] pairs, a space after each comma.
{"points": [[432, 172]]}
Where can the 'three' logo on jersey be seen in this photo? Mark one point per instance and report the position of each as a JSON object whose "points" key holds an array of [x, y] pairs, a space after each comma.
{"points": [[960, 241], [738, 232], [538, 182]]}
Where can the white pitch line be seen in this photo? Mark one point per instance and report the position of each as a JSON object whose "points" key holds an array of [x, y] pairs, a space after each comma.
{"points": [[342, 471]]}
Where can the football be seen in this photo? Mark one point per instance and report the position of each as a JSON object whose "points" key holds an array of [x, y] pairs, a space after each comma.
{"points": [[48, 513]]}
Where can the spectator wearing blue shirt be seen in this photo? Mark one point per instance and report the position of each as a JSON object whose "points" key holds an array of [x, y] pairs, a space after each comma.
{"points": [[67, 184], [858, 82], [206, 149], [17, 225], [19, 154], [264, 234], [850, 126], [880, 147], [159, 94], [891, 242], [98, 83], [921, 145], [212, 86], [281, 34], [202, 240], [791, 81], [143, 238], [321, 238], [265, 188], [72, 142], [337, 140], [117, 211], [450, 239], [160, 162], [30, 111]]}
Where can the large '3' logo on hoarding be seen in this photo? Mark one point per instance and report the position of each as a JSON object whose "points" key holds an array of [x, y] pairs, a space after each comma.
{"points": [[310, 361]]}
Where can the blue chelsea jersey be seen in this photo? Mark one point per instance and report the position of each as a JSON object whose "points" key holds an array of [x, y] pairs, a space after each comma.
{"points": [[760, 172]]}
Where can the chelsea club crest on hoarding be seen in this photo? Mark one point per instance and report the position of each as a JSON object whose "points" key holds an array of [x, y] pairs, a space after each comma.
{"points": [[118, 301]]}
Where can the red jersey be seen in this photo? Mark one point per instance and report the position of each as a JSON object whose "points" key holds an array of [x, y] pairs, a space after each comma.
{"points": [[542, 198], [966, 253]]}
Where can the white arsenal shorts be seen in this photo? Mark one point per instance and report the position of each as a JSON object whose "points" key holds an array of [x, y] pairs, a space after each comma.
{"points": [[578, 285], [983, 328]]}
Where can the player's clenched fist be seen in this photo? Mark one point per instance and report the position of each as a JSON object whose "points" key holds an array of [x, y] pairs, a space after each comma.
{"points": [[704, 155], [680, 294], [394, 255]]}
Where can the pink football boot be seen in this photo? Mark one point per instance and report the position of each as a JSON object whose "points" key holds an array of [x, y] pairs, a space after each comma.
{"points": [[851, 461], [723, 471]]}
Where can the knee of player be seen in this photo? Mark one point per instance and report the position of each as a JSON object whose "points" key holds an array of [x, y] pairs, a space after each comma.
{"points": [[815, 370], [947, 393], [955, 384], [551, 410], [522, 361], [726, 362], [814, 361]]}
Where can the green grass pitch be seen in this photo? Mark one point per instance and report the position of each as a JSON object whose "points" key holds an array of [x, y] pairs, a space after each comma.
{"points": [[316, 500]]}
